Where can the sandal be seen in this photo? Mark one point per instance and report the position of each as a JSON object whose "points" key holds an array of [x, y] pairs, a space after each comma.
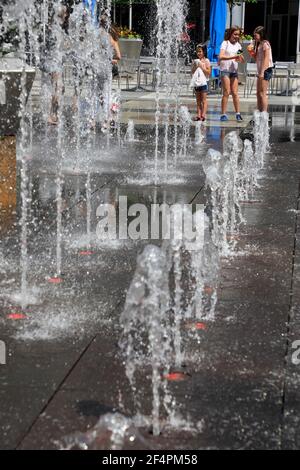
{"points": [[197, 118]]}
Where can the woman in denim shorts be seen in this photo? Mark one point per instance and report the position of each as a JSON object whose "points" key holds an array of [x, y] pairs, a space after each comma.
{"points": [[262, 52], [229, 58]]}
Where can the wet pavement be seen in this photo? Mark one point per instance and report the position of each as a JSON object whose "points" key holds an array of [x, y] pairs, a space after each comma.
{"points": [[64, 369]]}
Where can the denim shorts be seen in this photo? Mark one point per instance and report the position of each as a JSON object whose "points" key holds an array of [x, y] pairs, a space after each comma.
{"points": [[268, 74], [226, 73], [202, 88]]}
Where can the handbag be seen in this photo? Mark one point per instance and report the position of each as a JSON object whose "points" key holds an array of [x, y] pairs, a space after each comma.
{"points": [[198, 78]]}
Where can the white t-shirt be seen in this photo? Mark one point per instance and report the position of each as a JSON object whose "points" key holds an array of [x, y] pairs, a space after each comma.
{"points": [[229, 50]]}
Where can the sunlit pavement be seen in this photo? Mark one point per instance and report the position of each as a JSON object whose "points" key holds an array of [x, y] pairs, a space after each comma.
{"points": [[64, 368]]}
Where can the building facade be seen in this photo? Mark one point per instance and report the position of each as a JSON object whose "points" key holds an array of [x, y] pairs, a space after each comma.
{"points": [[280, 17], [281, 20]]}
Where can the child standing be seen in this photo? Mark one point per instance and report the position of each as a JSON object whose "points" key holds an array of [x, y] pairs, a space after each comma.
{"points": [[201, 91], [262, 52], [229, 58]]}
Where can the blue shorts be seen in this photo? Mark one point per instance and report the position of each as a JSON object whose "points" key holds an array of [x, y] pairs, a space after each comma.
{"points": [[202, 88], [225, 73], [268, 74]]}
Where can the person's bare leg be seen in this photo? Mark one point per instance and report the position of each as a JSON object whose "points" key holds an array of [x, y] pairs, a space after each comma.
{"points": [[52, 119], [264, 98], [75, 103], [199, 104], [234, 88], [204, 104], [226, 93], [259, 93]]}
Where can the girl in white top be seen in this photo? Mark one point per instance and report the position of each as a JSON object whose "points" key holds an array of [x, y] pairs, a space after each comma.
{"points": [[203, 63], [262, 52], [230, 56]]}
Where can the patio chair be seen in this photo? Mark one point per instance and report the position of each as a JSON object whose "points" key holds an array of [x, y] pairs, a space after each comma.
{"points": [[180, 74], [279, 81], [293, 79], [214, 82], [69, 73], [159, 70], [128, 69], [147, 66], [251, 71], [174, 72]]}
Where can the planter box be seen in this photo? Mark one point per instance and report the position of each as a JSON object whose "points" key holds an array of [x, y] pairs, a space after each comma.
{"points": [[8, 194], [130, 48], [10, 92], [248, 59], [247, 56]]}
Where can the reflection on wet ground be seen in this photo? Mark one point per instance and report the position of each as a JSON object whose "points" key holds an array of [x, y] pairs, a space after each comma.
{"points": [[63, 352]]}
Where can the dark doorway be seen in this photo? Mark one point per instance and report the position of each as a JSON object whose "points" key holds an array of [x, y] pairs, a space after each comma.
{"points": [[254, 16], [275, 30]]}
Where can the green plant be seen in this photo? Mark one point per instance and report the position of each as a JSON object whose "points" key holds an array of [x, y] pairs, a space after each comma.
{"points": [[126, 33], [246, 37]]}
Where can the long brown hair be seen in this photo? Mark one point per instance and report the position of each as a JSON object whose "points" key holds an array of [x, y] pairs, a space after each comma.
{"points": [[229, 32], [204, 49], [261, 30], [114, 32], [112, 29], [263, 35]]}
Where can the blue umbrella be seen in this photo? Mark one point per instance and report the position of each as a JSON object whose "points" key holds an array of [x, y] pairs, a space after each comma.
{"points": [[217, 25], [91, 5]]}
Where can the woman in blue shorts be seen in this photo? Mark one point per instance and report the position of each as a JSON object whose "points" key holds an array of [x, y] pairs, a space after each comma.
{"points": [[262, 52], [229, 58]]}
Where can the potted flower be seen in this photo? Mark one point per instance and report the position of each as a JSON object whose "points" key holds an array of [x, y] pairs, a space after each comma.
{"points": [[246, 39], [127, 33], [130, 43]]}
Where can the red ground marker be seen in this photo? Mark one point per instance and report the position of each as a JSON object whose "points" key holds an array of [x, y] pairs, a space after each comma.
{"points": [[196, 325], [55, 280], [16, 316], [175, 376], [86, 252]]}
